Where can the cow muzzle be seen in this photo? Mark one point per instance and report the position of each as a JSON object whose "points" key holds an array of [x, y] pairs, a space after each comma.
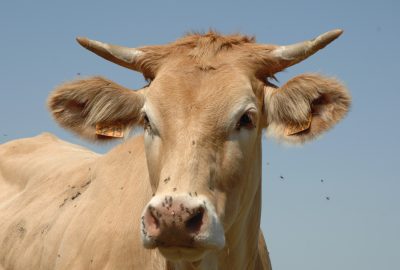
{"points": [[181, 223]]}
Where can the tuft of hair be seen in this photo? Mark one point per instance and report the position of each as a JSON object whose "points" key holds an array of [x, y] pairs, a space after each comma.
{"points": [[81, 104], [201, 47], [325, 100], [213, 39]]}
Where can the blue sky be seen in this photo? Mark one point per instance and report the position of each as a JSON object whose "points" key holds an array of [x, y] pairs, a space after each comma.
{"points": [[359, 227]]}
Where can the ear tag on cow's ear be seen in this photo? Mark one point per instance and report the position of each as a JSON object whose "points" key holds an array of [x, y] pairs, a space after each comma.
{"points": [[297, 128], [110, 130]]}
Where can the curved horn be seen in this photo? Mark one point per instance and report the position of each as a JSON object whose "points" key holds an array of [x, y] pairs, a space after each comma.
{"points": [[287, 56], [123, 56]]}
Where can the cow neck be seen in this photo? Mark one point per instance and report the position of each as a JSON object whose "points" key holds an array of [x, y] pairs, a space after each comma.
{"points": [[123, 159], [241, 249]]}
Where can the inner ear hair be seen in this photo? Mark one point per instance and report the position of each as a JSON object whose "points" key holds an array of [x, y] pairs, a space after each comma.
{"points": [[307, 106]]}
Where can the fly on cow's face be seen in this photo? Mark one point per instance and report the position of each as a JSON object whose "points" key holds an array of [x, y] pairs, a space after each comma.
{"points": [[166, 180]]}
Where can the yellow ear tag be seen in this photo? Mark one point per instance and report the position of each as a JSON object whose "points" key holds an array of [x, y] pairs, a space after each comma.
{"points": [[297, 128], [114, 130]]}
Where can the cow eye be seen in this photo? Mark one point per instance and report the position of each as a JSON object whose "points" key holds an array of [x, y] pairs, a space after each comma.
{"points": [[245, 121], [146, 122]]}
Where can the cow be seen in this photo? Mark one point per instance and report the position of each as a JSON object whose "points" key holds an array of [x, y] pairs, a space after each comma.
{"points": [[186, 192]]}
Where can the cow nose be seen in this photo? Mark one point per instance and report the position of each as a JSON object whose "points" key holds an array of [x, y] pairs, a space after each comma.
{"points": [[174, 222]]}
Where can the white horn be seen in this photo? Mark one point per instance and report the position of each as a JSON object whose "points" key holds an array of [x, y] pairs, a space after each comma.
{"points": [[289, 55], [123, 56]]}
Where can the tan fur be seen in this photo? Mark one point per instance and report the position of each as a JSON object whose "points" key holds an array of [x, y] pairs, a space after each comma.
{"points": [[325, 99], [49, 226], [79, 105], [264, 261], [205, 50], [68, 208]]}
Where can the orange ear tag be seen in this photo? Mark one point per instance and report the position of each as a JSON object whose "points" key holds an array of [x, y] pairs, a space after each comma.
{"points": [[297, 128], [115, 130]]}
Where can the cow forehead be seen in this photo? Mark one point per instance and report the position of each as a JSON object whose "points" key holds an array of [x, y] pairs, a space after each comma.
{"points": [[191, 88], [200, 97]]}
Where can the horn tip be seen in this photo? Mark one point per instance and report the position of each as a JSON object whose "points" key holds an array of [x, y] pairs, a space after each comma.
{"points": [[83, 41], [327, 37], [333, 34], [337, 32]]}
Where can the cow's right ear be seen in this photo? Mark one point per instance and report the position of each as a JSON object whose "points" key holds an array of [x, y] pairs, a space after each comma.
{"points": [[96, 108]]}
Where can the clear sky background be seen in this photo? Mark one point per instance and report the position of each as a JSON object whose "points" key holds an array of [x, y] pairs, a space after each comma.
{"points": [[359, 227]]}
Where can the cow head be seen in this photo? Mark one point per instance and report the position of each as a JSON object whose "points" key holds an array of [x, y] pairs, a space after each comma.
{"points": [[203, 113]]}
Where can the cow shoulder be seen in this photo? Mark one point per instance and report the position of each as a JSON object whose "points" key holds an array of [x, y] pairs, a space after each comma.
{"points": [[33, 159]]}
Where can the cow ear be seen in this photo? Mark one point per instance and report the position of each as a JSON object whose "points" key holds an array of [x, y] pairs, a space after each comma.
{"points": [[96, 108], [305, 107]]}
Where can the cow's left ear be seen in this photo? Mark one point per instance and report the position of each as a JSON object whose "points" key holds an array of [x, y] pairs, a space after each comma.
{"points": [[305, 107]]}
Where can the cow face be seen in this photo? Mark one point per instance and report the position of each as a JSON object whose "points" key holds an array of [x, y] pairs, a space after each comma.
{"points": [[203, 114], [202, 139]]}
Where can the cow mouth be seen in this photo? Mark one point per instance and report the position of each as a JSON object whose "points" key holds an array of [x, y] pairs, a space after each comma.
{"points": [[180, 253]]}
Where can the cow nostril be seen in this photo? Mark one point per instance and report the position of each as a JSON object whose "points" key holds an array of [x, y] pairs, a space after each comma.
{"points": [[153, 220], [194, 223]]}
